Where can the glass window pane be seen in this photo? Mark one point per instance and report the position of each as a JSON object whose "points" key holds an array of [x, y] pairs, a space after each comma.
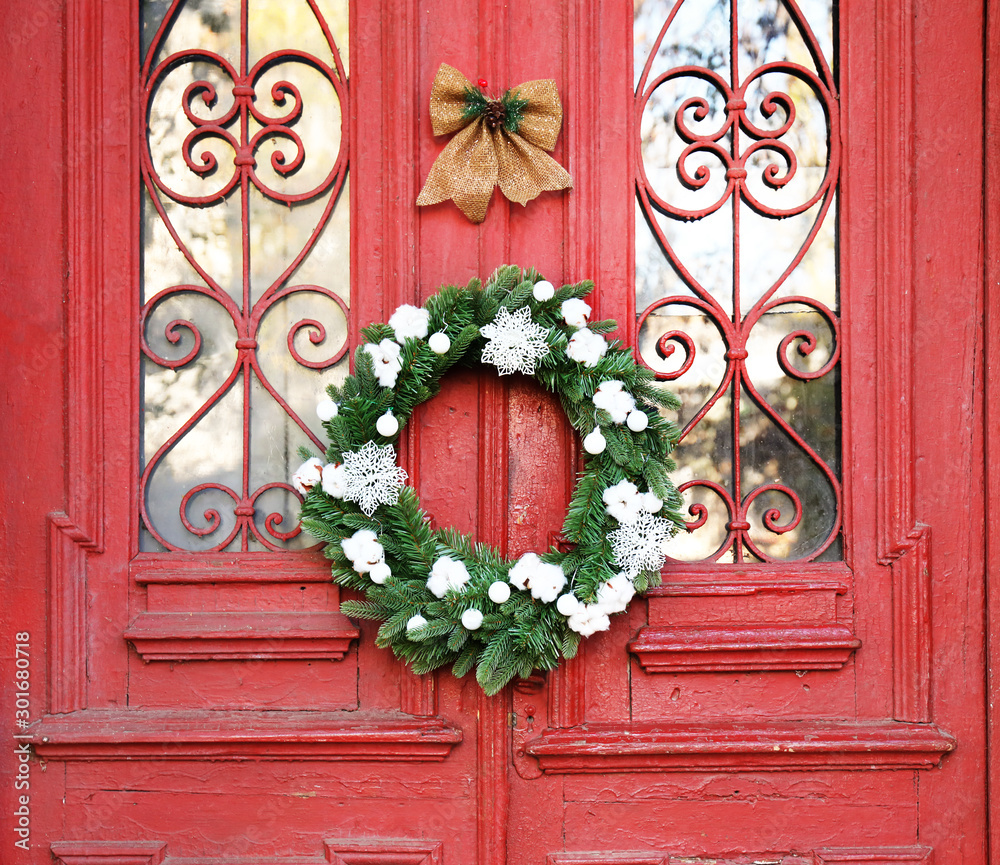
{"points": [[246, 262], [736, 270]]}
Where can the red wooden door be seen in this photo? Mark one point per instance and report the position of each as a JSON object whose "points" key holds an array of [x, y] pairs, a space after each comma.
{"points": [[807, 685]]}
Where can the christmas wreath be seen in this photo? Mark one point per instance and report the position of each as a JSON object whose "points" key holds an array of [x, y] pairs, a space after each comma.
{"points": [[441, 598]]}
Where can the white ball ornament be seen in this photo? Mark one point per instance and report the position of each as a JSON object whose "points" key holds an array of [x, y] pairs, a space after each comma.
{"points": [[327, 410], [499, 592], [472, 619], [379, 573], [387, 425], [651, 502], [568, 604], [595, 443], [439, 342], [415, 622], [637, 420], [543, 290]]}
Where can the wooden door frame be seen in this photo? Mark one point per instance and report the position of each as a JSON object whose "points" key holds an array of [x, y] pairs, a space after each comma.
{"points": [[991, 415]]}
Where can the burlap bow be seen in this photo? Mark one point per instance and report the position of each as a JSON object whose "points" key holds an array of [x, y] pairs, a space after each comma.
{"points": [[498, 142]]}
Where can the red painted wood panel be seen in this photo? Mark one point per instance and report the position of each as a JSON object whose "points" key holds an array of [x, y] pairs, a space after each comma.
{"points": [[648, 755]]}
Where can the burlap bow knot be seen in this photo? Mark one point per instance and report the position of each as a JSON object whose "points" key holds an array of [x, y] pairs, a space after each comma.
{"points": [[499, 142]]}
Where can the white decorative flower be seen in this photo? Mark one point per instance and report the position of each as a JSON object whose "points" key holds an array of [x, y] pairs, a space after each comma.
{"points": [[614, 595], [335, 480], [326, 410], [516, 343], [543, 290], [586, 347], [385, 357], [364, 550], [499, 592], [640, 545], [373, 478], [588, 620], [472, 619], [575, 311], [623, 501], [409, 321], [307, 475], [615, 400], [545, 581], [415, 622], [447, 574]]}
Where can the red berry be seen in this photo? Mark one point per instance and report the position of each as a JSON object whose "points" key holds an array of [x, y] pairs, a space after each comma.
{"points": [[483, 83]]}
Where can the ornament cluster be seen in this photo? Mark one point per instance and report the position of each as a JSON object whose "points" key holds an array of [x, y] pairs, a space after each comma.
{"points": [[441, 598]]}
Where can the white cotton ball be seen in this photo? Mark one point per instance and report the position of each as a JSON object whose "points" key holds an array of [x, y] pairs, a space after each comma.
{"points": [[575, 311], [524, 567], [446, 575], [472, 619], [595, 442], [409, 322], [335, 480], [499, 592], [586, 347], [307, 475], [543, 290], [380, 573], [387, 425], [439, 342], [588, 619], [568, 604], [415, 622], [637, 420], [651, 502], [623, 501], [327, 410]]}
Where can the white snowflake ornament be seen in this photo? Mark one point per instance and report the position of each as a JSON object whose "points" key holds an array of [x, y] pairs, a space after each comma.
{"points": [[516, 343], [373, 478], [639, 545]]}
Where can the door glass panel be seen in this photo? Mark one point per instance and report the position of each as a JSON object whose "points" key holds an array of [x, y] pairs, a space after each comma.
{"points": [[246, 262], [736, 267]]}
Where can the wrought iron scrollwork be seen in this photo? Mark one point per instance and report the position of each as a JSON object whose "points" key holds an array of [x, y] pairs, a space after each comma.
{"points": [[748, 153], [230, 126]]}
